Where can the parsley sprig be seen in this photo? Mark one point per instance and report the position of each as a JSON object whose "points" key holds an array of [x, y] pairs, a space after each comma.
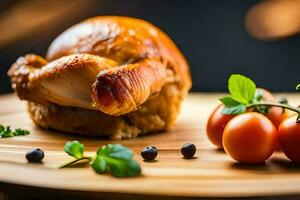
{"points": [[243, 94], [5, 132], [113, 157]]}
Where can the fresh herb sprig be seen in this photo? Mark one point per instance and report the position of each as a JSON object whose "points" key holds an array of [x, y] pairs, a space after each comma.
{"points": [[5, 132], [112, 157], [243, 94]]}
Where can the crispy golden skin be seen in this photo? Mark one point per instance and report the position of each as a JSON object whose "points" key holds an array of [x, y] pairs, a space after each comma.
{"points": [[122, 89], [113, 65]]}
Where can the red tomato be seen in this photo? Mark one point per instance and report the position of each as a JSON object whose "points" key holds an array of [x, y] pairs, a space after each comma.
{"points": [[249, 138], [217, 121], [216, 124], [275, 114], [289, 138]]}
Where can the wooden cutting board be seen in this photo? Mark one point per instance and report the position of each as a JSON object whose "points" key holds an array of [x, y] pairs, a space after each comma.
{"points": [[211, 174]]}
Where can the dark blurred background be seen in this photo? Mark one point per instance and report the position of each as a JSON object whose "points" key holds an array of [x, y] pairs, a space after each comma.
{"points": [[210, 33]]}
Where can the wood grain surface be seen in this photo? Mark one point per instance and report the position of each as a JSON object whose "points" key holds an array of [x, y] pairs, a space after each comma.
{"points": [[210, 174]]}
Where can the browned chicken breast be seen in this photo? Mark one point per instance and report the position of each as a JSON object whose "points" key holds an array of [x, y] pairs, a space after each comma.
{"points": [[106, 76]]}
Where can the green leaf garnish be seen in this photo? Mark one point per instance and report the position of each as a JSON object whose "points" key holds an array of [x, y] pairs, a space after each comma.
{"points": [[241, 88], [19, 131], [244, 95], [115, 158], [228, 101], [241, 108], [7, 132], [119, 160], [74, 149], [242, 92]]}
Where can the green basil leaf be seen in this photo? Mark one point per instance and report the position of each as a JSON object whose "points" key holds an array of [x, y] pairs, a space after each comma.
{"points": [[228, 101], [241, 88], [241, 108], [124, 168], [74, 149], [99, 164]]}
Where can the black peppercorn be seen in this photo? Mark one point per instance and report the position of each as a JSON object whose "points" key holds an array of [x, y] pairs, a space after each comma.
{"points": [[149, 153], [188, 150], [35, 155]]}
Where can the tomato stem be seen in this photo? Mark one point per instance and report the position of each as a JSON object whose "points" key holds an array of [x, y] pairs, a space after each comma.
{"points": [[285, 106]]}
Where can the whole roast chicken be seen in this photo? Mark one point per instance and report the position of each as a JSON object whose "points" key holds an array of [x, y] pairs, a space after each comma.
{"points": [[106, 76]]}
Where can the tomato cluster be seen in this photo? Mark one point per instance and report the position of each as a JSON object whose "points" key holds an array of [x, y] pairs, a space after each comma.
{"points": [[252, 137]]}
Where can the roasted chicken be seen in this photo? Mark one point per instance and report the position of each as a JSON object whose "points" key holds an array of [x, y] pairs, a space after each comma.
{"points": [[115, 76]]}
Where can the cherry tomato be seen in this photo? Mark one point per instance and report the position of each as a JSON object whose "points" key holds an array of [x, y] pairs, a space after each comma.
{"points": [[216, 124], [289, 138], [217, 121], [249, 138], [275, 114]]}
